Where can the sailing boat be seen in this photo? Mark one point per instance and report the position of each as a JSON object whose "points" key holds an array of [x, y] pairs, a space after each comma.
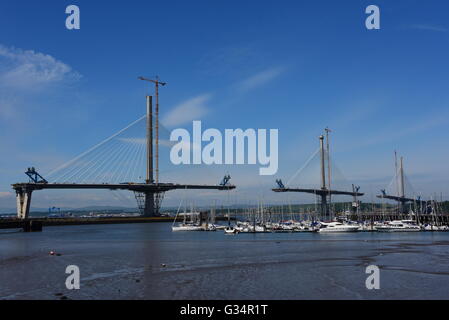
{"points": [[434, 224], [210, 225], [229, 229], [187, 225]]}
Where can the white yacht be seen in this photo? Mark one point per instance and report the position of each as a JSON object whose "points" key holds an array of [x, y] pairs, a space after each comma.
{"points": [[430, 227], [367, 227], [399, 226], [259, 228], [209, 227], [287, 227], [191, 224], [186, 227], [331, 227], [231, 230]]}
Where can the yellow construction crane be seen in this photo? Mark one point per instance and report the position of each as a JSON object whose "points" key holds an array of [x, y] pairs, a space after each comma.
{"points": [[157, 83]]}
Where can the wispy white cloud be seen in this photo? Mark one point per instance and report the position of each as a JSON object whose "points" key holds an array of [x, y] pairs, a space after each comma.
{"points": [[192, 109], [427, 27], [260, 78], [28, 69], [24, 73]]}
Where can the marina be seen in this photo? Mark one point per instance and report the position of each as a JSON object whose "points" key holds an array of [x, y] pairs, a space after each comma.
{"points": [[409, 215]]}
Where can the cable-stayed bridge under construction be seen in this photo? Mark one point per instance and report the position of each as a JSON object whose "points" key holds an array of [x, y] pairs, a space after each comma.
{"points": [[114, 164]]}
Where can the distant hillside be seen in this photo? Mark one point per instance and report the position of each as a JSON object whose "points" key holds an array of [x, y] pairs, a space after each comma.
{"points": [[7, 210], [101, 208], [92, 208], [340, 206]]}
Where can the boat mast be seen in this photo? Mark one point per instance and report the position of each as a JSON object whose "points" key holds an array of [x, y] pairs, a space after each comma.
{"points": [[396, 177], [328, 169], [402, 179], [396, 171]]}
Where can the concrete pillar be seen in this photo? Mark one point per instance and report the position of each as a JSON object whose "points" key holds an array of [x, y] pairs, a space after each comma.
{"points": [[149, 205], [23, 198], [32, 226], [149, 178], [323, 172], [324, 206]]}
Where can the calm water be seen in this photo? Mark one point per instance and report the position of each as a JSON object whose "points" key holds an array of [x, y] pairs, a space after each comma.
{"points": [[126, 262]]}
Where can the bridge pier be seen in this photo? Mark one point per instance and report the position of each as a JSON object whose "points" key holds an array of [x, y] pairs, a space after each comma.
{"points": [[32, 226], [148, 210], [23, 199]]}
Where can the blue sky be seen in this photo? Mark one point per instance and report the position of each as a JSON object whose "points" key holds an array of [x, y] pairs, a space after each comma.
{"points": [[297, 66]]}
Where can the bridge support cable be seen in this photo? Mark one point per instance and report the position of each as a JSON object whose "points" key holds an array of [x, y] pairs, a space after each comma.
{"points": [[105, 172], [103, 160], [138, 172], [96, 146], [314, 155], [81, 167], [132, 164], [92, 174], [109, 171], [125, 163], [85, 170]]}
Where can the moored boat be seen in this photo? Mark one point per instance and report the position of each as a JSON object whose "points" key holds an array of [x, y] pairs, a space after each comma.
{"points": [[186, 227], [333, 227], [399, 226], [230, 230]]}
